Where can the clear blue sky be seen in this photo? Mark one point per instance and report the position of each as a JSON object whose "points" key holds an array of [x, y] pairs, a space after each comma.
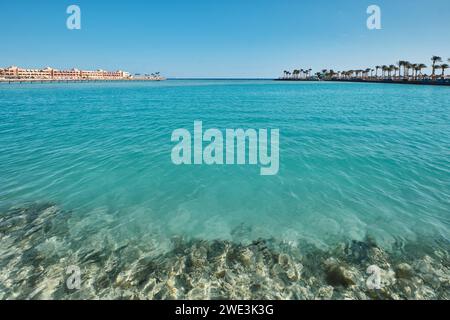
{"points": [[221, 38]]}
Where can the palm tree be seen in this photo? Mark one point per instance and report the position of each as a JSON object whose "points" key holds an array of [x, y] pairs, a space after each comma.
{"points": [[435, 59], [389, 69], [384, 69], [346, 74], [414, 70], [421, 66], [443, 67], [406, 66], [395, 71], [376, 71], [331, 74]]}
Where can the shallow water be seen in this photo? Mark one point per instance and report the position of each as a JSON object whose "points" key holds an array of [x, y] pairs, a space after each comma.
{"points": [[356, 161]]}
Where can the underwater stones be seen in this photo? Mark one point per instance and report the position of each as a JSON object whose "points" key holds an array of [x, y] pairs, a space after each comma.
{"points": [[220, 274], [443, 255], [404, 271], [10, 224], [229, 279], [162, 290], [33, 232], [125, 279], [338, 275], [292, 274], [431, 273], [425, 293], [387, 278], [92, 255], [51, 247], [149, 286], [379, 257], [260, 269], [113, 265], [284, 260], [407, 290], [425, 265], [255, 287], [217, 253], [48, 213], [325, 293], [29, 221], [245, 256], [196, 294], [167, 292], [216, 292], [218, 248], [140, 268], [357, 251], [288, 270], [179, 265], [198, 257], [201, 292], [299, 292]]}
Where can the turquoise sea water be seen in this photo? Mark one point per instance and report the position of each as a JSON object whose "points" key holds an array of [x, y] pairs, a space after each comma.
{"points": [[355, 160]]}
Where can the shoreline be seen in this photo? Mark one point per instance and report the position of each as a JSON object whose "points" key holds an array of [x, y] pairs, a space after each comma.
{"points": [[444, 83], [42, 81], [10, 81]]}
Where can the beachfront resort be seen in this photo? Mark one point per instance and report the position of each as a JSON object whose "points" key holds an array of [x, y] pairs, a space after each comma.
{"points": [[401, 72], [14, 73]]}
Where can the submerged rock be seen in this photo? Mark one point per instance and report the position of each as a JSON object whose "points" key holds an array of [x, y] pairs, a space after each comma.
{"points": [[246, 257], [404, 271], [338, 274], [325, 293]]}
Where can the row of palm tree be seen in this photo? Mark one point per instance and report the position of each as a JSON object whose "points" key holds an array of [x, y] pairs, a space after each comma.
{"points": [[434, 60], [152, 76], [402, 70], [297, 73]]}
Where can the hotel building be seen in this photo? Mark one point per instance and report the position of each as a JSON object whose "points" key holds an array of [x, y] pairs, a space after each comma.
{"points": [[48, 73]]}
